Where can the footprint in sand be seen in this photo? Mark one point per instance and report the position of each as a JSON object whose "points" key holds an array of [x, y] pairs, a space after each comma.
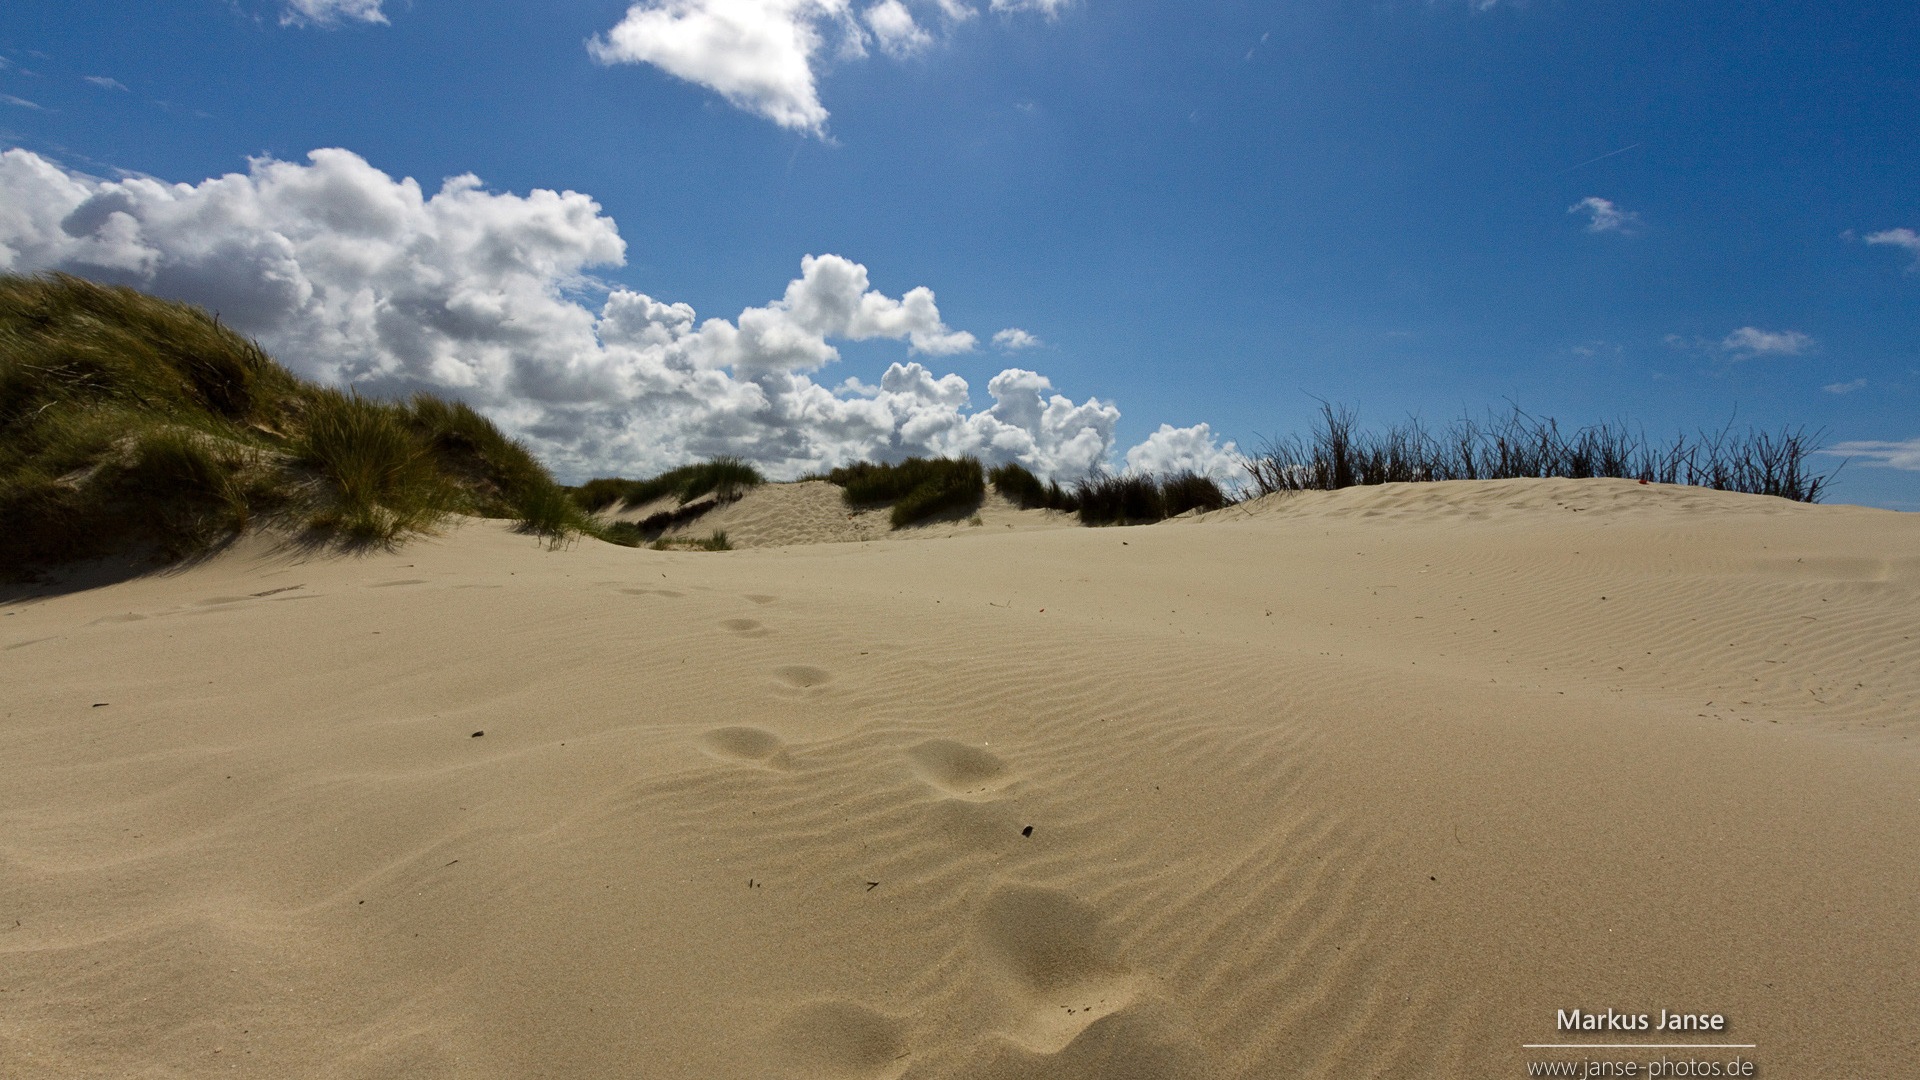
{"points": [[402, 581], [1075, 1009], [747, 744], [1142, 1042], [653, 592], [803, 676], [745, 627], [130, 616], [762, 599], [842, 1039], [959, 770], [1050, 945]]}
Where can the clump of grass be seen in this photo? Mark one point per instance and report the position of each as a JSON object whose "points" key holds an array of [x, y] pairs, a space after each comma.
{"points": [[378, 480], [1517, 444], [918, 488], [597, 494], [715, 542], [1119, 500], [130, 424], [624, 533], [1140, 498], [1023, 489], [548, 512], [725, 478], [190, 487], [1184, 491]]}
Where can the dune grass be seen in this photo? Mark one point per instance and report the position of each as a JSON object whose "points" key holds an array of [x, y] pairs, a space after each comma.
{"points": [[130, 424], [917, 488], [1517, 444], [717, 541], [1184, 491], [723, 477], [1140, 499], [1019, 486], [378, 480]]}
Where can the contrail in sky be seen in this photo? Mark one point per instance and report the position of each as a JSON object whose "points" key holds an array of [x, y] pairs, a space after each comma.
{"points": [[1602, 157]]}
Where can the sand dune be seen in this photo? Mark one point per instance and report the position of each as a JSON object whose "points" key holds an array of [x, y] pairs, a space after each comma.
{"points": [[1366, 783], [815, 512]]}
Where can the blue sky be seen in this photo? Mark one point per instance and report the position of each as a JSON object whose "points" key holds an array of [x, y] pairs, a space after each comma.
{"points": [[1204, 213]]}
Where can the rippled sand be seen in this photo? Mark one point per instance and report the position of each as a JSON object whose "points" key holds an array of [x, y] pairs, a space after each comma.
{"points": [[1357, 784]]}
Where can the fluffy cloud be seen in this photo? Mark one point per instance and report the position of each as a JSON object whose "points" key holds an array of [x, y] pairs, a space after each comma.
{"points": [[764, 56], [353, 277], [1845, 387], [1893, 455], [895, 30], [330, 12], [758, 54], [1012, 339], [1604, 216], [1189, 449], [1748, 342]]}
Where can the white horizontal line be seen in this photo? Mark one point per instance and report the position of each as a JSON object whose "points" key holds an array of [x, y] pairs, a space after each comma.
{"points": [[1638, 1046]]}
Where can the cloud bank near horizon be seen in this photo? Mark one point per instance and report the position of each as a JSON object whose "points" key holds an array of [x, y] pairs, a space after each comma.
{"points": [[354, 278]]}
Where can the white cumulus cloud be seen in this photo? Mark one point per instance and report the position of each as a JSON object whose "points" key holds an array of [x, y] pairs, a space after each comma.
{"points": [[330, 12], [355, 278], [1750, 341], [1189, 449], [766, 56], [758, 54], [1604, 216], [1012, 339]]}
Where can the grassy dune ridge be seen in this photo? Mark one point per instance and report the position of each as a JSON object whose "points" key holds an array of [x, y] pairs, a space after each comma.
{"points": [[917, 488], [129, 423], [1518, 445], [134, 424], [723, 477]]}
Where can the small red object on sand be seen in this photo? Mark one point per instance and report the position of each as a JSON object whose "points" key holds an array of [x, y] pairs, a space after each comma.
{"points": [[1646, 481]]}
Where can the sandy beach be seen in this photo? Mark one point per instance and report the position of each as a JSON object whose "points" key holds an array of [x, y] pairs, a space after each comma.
{"points": [[1375, 782]]}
